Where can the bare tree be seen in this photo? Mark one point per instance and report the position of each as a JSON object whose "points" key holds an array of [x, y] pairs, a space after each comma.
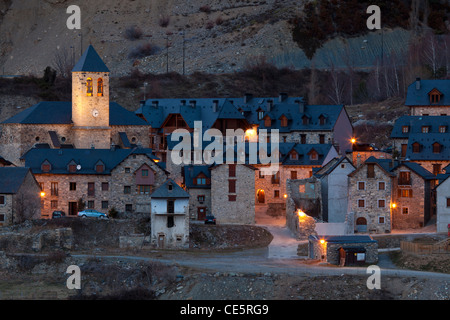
{"points": [[63, 62]]}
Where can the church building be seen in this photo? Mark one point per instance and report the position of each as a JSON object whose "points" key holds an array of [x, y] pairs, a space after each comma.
{"points": [[89, 121]]}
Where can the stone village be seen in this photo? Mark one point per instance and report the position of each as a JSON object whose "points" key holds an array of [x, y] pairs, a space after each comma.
{"points": [[92, 153]]}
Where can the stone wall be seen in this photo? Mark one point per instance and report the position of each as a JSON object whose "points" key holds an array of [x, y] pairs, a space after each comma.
{"points": [[304, 194], [371, 251], [194, 204], [414, 218], [378, 219], [36, 242], [241, 211]]}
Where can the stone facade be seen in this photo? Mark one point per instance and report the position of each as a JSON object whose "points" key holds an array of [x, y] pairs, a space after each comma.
{"points": [[364, 251], [442, 206], [236, 207], [25, 204], [412, 199], [200, 200], [305, 195], [370, 199], [108, 190], [430, 110]]}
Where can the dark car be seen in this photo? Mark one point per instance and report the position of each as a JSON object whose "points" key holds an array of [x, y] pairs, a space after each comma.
{"points": [[58, 214], [210, 220]]}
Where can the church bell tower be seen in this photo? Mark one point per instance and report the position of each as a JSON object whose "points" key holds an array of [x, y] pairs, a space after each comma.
{"points": [[90, 102]]}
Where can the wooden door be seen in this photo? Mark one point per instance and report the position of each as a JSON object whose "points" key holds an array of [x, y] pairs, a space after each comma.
{"points": [[201, 213]]}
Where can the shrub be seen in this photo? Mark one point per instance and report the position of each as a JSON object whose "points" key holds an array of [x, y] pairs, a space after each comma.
{"points": [[133, 33], [142, 51], [164, 21], [205, 9], [113, 213]]}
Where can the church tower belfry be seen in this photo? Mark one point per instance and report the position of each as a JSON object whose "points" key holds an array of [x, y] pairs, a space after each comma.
{"points": [[90, 102]]}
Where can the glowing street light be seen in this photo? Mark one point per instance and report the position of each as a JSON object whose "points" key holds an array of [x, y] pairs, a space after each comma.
{"points": [[301, 214], [42, 194], [353, 140]]}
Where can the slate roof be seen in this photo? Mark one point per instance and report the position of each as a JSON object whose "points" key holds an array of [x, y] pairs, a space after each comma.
{"points": [[11, 179], [86, 158], [344, 239], [90, 61], [418, 169], [415, 124], [426, 141], [285, 148], [156, 111], [330, 166], [420, 97], [163, 191], [191, 172], [56, 112]]}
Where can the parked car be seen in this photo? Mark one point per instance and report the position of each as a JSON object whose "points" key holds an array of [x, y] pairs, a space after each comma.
{"points": [[210, 219], [58, 214], [90, 213]]}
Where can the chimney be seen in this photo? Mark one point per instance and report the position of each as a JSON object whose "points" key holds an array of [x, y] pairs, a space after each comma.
{"points": [[418, 84], [301, 106], [248, 97], [215, 105], [269, 105], [282, 97]]}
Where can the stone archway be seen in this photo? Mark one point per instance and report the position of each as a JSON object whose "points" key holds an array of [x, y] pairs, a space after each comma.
{"points": [[361, 225]]}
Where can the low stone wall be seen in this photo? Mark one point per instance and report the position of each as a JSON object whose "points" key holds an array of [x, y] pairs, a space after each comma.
{"points": [[48, 239], [371, 251], [133, 241]]}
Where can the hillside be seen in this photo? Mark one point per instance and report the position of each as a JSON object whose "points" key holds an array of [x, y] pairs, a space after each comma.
{"points": [[220, 36]]}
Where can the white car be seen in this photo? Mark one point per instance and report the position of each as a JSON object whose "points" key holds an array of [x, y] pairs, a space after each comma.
{"points": [[90, 213]]}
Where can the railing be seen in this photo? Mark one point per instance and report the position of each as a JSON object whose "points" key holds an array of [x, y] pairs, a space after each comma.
{"points": [[426, 248]]}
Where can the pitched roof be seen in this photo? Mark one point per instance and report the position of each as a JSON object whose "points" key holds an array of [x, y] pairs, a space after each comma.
{"points": [[418, 169], [90, 61], [155, 111], [420, 97], [87, 159], [164, 192], [330, 166], [426, 141], [56, 112], [191, 172], [415, 124], [11, 179], [384, 164]]}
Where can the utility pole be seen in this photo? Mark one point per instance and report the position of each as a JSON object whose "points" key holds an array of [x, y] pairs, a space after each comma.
{"points": [[184, 51]]}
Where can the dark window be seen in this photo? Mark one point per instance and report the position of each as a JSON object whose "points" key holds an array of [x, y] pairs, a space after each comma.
{"points": [[72, 168], [232, 170], [231, 186], [170, 206], [91, 204], [276, 178], [381, 185], [436, 148], [91, 189], [144, 172], [293, 175], [442, 129], [2, 200], [129, 208], [54, 204], [2, 218], [127, 190], [201, 198], [361, 203], [105, 204], [404, 178], [416, 147], [437, 169], [73, 186], [276, 193], [448, 202], [303, 139], [321, 139], [284, 122], [405, 129], [170, 222], [361, 185], [370, 171], [46, 168], [54, 189], [381, 203], [232, 198], [144, 189], [105, 186], [405, 193], [99, 168]]}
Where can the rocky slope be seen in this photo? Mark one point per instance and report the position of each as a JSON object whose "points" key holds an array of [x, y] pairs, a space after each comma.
{"points": [[220, 36]]}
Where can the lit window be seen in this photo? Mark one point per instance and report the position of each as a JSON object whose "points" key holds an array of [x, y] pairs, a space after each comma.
{"points": [[100, 87], [89, 87]]}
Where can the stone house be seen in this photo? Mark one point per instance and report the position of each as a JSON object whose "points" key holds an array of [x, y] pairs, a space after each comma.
{"points": [[96, 179], [429, 98], [89, 121], [170, 216], [443, 204], [232, 193], [371, 196], [334, 185], [355, 249], [197, 181], [303, 205], [19, 196], [412, 195]]}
